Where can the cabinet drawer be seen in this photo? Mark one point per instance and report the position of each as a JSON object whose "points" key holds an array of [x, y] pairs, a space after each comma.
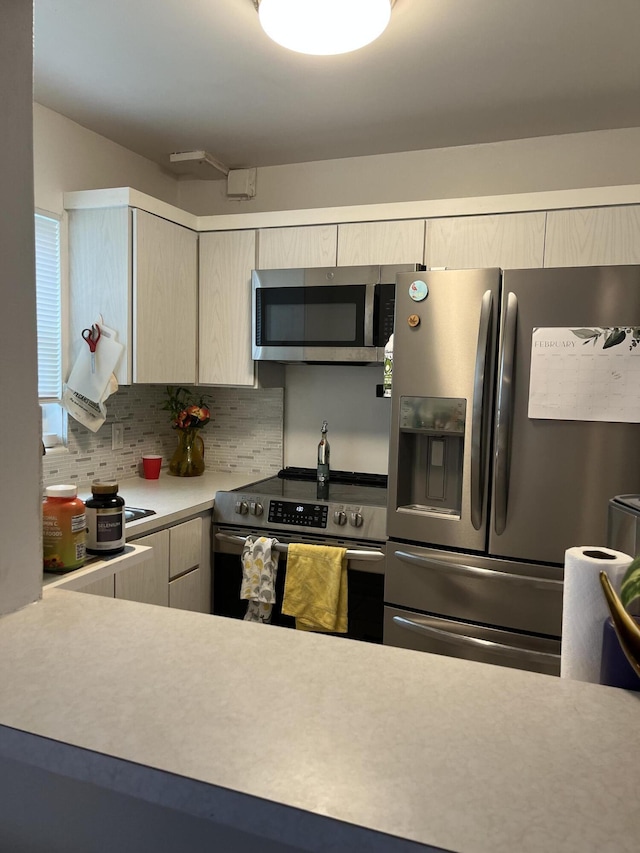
{"points": [[186, 547], [409, 630], [474, 588], [185, 593]]}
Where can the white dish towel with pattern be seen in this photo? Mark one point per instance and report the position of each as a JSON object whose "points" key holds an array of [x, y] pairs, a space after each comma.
{"points": [[259, 570]]}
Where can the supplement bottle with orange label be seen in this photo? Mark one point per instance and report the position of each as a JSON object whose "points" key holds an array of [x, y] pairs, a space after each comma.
{"points": [[64, 529]]}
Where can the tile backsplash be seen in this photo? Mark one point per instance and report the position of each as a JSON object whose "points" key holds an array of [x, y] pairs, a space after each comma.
{"points": [[245, 434]]}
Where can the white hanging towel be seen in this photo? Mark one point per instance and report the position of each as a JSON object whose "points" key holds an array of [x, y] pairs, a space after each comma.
{"points": [[85, 392], [259, 570]]}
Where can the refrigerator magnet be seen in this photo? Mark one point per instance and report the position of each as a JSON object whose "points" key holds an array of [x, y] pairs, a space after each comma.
{"points": [[418, 290], [413, 320]]}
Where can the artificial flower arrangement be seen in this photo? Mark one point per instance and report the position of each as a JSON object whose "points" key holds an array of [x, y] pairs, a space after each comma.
{"points": [[187, 410], [189, 413]]}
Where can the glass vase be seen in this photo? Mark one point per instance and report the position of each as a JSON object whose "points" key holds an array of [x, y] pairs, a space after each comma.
{"points": [[188, 458]]}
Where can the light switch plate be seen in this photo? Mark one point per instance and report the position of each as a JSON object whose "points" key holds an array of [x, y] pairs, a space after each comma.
{"points": [[117, 436]]}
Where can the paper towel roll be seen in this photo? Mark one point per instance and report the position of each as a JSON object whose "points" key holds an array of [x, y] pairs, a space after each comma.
{"points": [[584, 608]]}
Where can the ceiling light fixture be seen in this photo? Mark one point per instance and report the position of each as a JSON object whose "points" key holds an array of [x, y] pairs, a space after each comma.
{"points": [[324, 27]]}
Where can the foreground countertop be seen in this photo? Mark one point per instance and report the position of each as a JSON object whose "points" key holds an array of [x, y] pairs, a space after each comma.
{"points": [[317, 742]]}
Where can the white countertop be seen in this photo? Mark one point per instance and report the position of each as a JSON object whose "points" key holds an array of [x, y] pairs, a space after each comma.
{"points": [[318, 742], [176, 498], [173, 499]]}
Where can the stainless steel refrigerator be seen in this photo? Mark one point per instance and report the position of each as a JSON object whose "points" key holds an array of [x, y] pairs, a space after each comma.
{"points": [[505, 451]]}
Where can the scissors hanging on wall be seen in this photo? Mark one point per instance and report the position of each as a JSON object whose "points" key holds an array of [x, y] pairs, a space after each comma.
{"points": [[92, 336]]}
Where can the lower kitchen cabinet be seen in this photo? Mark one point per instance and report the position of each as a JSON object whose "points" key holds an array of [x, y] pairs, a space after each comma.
{"points": [[185, 592], [147, 582], [179, 572], [103, 586]]}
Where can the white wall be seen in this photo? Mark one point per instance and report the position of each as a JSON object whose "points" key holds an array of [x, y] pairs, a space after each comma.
{"points": [[69, 157], [600, 158], [345, 396], [359, 430], [20, 448]]}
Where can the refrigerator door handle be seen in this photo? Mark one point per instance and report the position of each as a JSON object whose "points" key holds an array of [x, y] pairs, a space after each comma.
{"points": [[478, 419], [505, 414], [477, 571], [465, 640]]}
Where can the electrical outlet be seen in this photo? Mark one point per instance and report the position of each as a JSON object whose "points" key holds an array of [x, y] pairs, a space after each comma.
{"points": [[117, 436]]}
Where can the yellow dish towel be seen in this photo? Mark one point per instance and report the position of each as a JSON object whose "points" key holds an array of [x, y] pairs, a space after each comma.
{"points": [[315, 588]]}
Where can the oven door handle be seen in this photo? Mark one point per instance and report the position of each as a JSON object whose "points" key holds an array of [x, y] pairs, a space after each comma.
{"points": [[352, 553], [476, 642], [477, 571]]}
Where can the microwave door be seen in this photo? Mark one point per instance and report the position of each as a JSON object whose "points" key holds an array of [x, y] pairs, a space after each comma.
{"points": [[314, 322], [443, 378]]}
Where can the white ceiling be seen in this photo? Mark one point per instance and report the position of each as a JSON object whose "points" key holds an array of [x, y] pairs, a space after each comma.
{"points": [[160, 76]]}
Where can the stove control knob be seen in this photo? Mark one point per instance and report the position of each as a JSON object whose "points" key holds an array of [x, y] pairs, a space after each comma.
{"points": [[340, 517], [355, 519], [242, 507], [256, 508]]}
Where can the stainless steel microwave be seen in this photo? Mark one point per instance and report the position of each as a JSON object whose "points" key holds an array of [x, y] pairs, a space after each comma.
{"points": [[325, 314]]}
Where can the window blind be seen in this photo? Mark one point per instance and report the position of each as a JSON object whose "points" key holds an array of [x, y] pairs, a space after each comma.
{"points": [[48, 301]]}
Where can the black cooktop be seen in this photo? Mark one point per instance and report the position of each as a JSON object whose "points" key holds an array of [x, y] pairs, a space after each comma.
{"points": [[352, 478], [345, 487]]}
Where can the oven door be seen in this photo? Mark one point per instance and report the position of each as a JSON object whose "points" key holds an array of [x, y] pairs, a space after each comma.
{"points": [[365, 573]]}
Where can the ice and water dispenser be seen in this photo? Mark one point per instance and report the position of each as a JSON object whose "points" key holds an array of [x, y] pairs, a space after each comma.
{"points": [[430, 454]]}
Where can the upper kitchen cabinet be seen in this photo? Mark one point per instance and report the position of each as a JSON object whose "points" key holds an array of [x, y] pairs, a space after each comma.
{"points": [[593, 236], [510, 241], [165, 300], [139, 272], [394, 242], [292, 248], [226, 261]]}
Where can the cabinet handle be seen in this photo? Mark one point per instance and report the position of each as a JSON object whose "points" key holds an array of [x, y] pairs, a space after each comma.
{"points": [[464, 640], [352, 553], [477, 571]]}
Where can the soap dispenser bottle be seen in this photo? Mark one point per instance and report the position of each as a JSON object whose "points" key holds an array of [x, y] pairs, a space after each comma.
{"points": [[323, 464]]}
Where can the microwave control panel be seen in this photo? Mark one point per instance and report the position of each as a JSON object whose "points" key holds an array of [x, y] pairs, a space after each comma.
{"points": [[384, 313], [299, 514]]}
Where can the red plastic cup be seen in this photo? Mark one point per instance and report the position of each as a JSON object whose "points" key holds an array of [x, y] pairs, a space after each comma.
{"points": [[151, 467]]}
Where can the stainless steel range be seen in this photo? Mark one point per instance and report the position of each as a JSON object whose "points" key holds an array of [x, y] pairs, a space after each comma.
{"points": [[285, 507]]}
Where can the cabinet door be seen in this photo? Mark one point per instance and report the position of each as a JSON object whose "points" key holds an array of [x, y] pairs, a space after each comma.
{"points": [[100, 278], [226, 261], [400, 242], [289, 248], [593, 236], [165, 286], [510, 241], [185, 547], [148, 582], [185, 592], [104, 586]]}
